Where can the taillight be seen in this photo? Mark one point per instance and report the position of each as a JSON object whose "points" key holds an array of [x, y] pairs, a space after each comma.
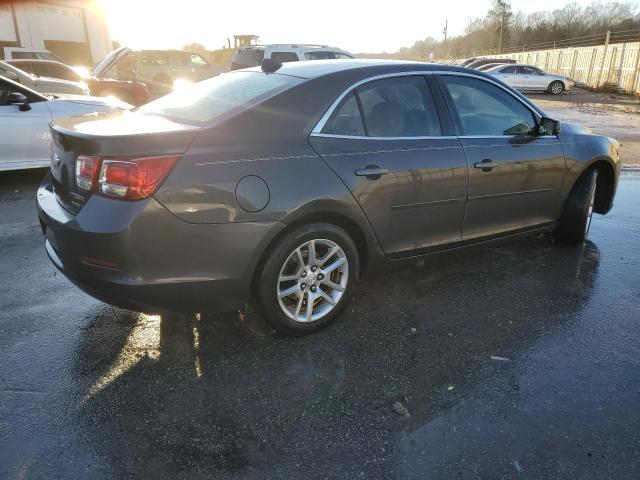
{"points": [[125, 178], [87, 169], [135, 178]]}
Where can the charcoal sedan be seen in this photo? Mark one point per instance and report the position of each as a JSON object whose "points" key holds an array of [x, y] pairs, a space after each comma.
{"points": [[284, 184]]}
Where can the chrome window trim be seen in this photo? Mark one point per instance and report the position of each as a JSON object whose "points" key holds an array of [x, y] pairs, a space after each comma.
{"points": [[364, 137], [532, 108], [317, 130]]}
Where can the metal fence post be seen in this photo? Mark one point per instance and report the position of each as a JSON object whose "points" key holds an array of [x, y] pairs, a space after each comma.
{"points": [[573, 64], [594, 53], [621, 65], [604, 57], [635, 70]]}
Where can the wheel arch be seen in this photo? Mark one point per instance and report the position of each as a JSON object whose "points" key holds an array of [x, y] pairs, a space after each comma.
{"points": [[564, 85], [339, 219], [605, 183]]}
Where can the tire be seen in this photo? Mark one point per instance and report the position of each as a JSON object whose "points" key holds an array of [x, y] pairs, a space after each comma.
{"points": [[556, 87], [575, 221], [288, 269]]}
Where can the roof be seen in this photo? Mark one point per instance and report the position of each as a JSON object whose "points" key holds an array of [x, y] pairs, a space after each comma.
{"points": [[318, 68]]}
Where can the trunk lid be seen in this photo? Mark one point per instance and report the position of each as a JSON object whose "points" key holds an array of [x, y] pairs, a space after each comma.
{"points": [[109, 60], [120, 134]]}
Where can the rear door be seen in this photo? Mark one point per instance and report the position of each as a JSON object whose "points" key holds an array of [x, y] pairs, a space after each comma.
{"points": [[528, 78], [515, 174], [392, 144]]}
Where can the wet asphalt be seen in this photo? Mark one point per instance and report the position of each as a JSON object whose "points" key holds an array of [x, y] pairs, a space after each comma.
{"points": [[521, 361]]}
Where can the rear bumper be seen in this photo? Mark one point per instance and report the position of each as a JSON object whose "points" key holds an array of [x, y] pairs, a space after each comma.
{"points": [[139, 256]]}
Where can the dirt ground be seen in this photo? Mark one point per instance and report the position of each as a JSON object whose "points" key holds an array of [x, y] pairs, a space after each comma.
{"points": [[617, 116]]}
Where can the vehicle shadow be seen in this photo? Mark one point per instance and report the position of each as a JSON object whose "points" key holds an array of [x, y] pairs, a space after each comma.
{"points": [[223, 395]]}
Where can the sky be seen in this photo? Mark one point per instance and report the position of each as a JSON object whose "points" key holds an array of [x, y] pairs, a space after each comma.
{"points": [[354, 25]]}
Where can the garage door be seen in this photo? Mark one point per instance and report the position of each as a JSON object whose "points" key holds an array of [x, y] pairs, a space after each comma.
{"points": [[63, 24], [7, 32]]}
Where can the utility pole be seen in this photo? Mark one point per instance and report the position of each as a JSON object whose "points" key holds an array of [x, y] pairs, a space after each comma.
{"points": [[444, 49]]}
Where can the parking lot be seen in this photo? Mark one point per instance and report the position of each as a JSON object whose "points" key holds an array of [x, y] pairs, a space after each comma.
{"points": [[518, 361]]}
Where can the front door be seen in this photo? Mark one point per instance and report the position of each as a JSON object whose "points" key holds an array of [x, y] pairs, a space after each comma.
{"points": [[393, 149], [515, 174], [25, 133]]}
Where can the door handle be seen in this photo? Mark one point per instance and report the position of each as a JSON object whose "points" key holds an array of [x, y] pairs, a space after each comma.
{"points": [[372, 172], [486, 165]]}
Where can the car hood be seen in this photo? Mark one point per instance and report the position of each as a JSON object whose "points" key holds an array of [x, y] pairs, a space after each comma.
{"points": [[109, 61], [42, 81]]}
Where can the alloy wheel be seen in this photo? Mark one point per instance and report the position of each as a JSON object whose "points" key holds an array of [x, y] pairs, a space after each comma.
{"points": [[312, 280], [556, 88]]}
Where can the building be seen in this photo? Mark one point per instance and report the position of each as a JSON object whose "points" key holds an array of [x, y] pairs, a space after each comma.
{"points": [[74, 30]]}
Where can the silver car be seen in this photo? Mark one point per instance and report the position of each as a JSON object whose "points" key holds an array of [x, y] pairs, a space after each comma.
{"points": [[530, 78]]}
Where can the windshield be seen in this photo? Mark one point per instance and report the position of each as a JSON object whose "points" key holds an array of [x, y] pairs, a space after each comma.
{"points": [[204, 101]]}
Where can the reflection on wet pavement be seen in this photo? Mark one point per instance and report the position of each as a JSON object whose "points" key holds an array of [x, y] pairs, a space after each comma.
{"points": [[516, 361]]}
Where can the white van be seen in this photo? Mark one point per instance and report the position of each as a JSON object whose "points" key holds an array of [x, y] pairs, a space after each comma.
{"points": [[253, 55]]}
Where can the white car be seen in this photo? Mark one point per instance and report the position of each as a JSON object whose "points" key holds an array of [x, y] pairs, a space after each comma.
{"points": [[44, 85], [24, 122], [530, 78], [19, 53], [253, 55]]}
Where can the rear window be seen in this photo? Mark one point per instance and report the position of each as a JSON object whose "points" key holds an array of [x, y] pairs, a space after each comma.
{"points": [[205, 101]]}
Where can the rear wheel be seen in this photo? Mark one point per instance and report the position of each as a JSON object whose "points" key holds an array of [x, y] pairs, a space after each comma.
{"points": [[575, 221], [307, 279], [556, 87]]}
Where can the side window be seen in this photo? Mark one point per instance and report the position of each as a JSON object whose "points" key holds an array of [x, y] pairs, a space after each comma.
{"points": [[180, 59], [509, 70], [320, 55], [155, 58], [399, 107], [198, 60], [346, 119], [485, 109], [284, 57]]}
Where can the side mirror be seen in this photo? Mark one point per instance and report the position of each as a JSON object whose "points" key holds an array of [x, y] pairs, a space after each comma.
{"points": [[11, 75], [548, 126], [17, 98]]}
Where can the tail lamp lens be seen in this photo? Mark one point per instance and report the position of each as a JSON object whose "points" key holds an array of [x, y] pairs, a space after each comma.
{"points": [[87, 169], [133, 179]]}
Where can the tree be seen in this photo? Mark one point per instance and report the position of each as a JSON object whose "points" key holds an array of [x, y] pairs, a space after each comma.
{"points": [[196, 47], [500, 16]]}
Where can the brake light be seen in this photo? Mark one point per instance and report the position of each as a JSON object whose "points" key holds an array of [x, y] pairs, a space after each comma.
{"points": [[135, 178], [87, 169]]}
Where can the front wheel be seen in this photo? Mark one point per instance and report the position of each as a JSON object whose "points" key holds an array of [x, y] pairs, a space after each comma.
{"points": [[307, 279], [575, 221], [556, 87]]}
